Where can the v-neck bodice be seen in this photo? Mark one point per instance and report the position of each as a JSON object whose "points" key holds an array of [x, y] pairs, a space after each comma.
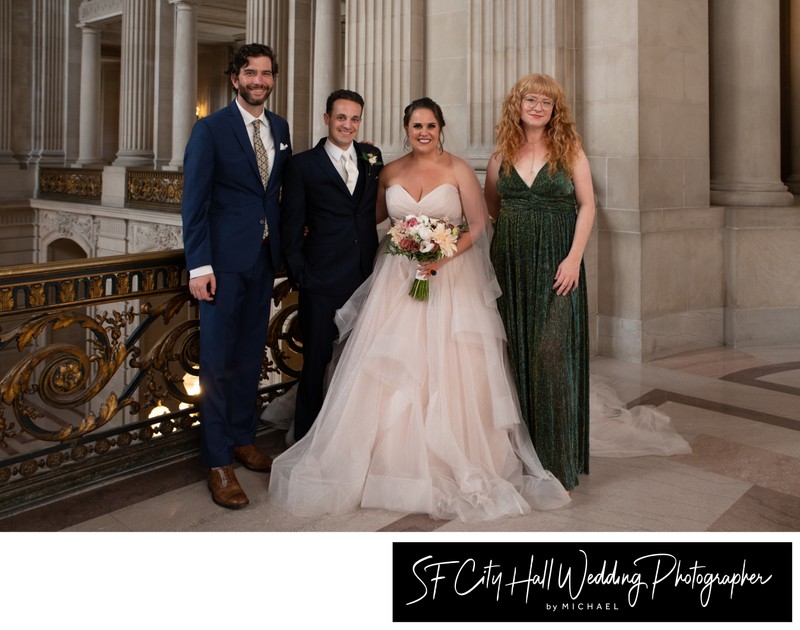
{"points": [[548, 192]]}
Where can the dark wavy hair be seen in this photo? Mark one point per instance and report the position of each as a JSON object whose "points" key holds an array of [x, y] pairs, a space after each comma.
{"points": [[241, 58]]}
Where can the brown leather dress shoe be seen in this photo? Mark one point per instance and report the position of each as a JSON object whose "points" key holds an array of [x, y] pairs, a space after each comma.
{"points": [[252, 458], [225, 488]]}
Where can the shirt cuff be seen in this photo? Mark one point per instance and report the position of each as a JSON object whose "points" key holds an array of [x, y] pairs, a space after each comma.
{"points": [[200, 271]]}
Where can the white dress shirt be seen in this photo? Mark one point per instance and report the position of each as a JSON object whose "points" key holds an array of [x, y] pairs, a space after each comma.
{"points": [[335, 154]]}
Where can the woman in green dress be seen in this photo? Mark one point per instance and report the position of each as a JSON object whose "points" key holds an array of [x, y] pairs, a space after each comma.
{"points": [[539, 191]]}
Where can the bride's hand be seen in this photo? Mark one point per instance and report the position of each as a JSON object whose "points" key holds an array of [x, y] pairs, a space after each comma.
{"points": [[428, 268]]}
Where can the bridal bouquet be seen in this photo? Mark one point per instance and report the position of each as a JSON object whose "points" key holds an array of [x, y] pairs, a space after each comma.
{"points": [[422, 238]]}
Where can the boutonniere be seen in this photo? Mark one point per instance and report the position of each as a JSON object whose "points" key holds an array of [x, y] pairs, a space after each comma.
{"points": [[284, 146], [372, 161]]}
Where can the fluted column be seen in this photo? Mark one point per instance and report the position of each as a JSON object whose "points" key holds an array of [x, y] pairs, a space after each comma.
{"points": [[384, 49], [184, 93], [136, 93], [327, 73], [745, 121], [48, 65], [509, 39], [89, 125], [6, 155], [793, 181], [267, 24]]}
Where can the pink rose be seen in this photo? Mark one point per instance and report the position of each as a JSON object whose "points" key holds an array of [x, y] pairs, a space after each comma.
{"points": [[409, 244]]}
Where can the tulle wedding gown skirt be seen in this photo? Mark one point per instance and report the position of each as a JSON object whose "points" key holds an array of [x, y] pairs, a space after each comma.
{"points": [[420, 415]]}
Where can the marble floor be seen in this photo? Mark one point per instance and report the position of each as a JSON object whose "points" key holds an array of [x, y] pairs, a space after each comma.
{"points": [[738, 409]]}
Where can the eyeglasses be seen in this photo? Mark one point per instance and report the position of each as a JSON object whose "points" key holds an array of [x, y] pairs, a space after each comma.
{"points": [[533, 102]]}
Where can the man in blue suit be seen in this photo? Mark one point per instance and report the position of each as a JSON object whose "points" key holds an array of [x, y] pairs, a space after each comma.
{"points": [[233, 168], [329, 237]]}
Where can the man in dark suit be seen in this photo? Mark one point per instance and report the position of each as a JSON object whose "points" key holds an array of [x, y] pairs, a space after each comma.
{"points": [[233, 168], [329, 237]]}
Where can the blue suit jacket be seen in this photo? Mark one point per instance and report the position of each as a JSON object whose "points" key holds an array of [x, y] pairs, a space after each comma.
{"points": [[224, 202], [338, 252]]}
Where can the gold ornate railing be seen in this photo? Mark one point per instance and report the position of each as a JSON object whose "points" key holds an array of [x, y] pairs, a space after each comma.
{"points": [[79, 185], [149, 189], [89, 351], [154, 189]]}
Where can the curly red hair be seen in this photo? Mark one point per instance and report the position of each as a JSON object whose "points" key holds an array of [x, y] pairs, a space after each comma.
{"points": [[563, 141]]}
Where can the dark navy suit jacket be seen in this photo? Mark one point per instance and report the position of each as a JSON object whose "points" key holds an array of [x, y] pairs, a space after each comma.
{"points": [[224, 203], [338, 252]]}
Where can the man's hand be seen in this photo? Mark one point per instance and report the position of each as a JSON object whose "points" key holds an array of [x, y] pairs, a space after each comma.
{"points": [[203, 287]]}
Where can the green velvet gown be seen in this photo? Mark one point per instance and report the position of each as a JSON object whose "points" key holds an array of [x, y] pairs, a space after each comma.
{"points": [[548, 335]]}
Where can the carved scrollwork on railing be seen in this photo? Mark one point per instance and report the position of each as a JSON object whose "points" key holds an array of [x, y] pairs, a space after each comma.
{"points": [[284, 344], [154, 189], [64, 376], [47, 395], [180, 344]]}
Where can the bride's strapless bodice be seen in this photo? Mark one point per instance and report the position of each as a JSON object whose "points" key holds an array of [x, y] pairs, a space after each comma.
{"points": [[443, 202]]}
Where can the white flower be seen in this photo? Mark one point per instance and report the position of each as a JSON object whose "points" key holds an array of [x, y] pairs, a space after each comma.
{"points": [[424, 231], [284, 146]]}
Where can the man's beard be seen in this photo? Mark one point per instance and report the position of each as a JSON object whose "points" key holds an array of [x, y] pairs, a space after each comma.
{"points": [[250, 99]]}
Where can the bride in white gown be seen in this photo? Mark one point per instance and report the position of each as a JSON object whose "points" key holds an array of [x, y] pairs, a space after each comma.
{"points": [[421, 414]]}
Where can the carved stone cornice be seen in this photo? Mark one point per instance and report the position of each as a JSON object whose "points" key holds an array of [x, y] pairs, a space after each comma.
{"points": [[92, 11], [17, 216]]}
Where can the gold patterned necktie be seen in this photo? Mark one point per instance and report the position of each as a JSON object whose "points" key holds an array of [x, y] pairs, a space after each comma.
{"points": [[263, 161]]}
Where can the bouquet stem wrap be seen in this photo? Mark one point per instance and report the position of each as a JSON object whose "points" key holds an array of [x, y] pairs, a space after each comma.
{"points": [[420, 288]]}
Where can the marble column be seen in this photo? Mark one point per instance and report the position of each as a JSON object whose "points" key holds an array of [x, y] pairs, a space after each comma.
{"points": [[267, 24], [48, 64], [327, 56], [90, 119], [384, 62], [793, 181], [6, 47], [507, 40], [184, 94], [745, 121], [138, 84], [297, 68], [327, 70]]}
